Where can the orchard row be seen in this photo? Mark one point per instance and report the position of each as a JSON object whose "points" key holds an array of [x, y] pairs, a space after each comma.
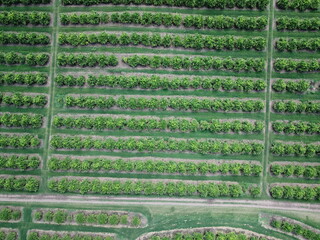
{"points": [[152, 166], [163, 124], [188, 41], [301, 5], [158, 82], [157, 61], [149, 144]]}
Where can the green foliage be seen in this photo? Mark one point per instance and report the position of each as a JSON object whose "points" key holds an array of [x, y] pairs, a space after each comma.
{"points": [[296, 106], [255, 192], [38, 215], [23, 79], [133, 187], [296, 127], [24, 2], [56, 216], [167, 19], [31, 59], [292, 65], [19, 184], [86, 60], [21, 100], [158, 124], [48, 216], [24, 18], [24, 38], [9, 214], [157, 82], [21, 120], [80, 218], [298, 149], [152, 166], [301, 5], [204, 235], [136, 221], [301, 44], [292, 86], [59, 216], [157, 145], [164, 103], [295, 170], [21, 162], [297, 23], [114, 219], [188, 41], [261, 5], [196, 63], [50, 235], [7, 234], [124, 219], [295, 192], [19, 141], [294, 228]]}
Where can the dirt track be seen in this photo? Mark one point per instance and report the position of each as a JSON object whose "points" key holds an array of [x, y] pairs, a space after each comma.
{"points": [[262, 204]]}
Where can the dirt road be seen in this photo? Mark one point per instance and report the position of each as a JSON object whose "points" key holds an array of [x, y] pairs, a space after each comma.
{"points": [[262, 204]]}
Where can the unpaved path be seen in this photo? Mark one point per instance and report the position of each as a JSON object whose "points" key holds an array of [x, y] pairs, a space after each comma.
{"points": [[92, 200]]}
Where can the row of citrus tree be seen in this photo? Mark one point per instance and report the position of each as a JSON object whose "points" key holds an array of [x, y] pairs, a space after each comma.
{"points": [[289, 170], [20, 162], [30, 59], [290, 106], [297, 23], [159, 82], [23, 100], [301, 5], [19, 184], [296, 65], [203, 235], [24, 18], [298, 149], [9, 234], [162, 103], [152, 166], [10, 214], [167, 20], [25, 38], [23, 2], [196, 63], [293, 86], [19, 141], [300, 44], [249, 4], [23, 78], [295, 192], [59, 216], [145, 187], [87, 60], [188, 41], [54, 235], [149, 144], [21, 120], [162, 124], [158, 61], [296, 229], [297, 127], [177, 83]]}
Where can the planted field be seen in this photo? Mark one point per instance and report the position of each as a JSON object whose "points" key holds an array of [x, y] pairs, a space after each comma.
{"points": [[157, 101]]}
